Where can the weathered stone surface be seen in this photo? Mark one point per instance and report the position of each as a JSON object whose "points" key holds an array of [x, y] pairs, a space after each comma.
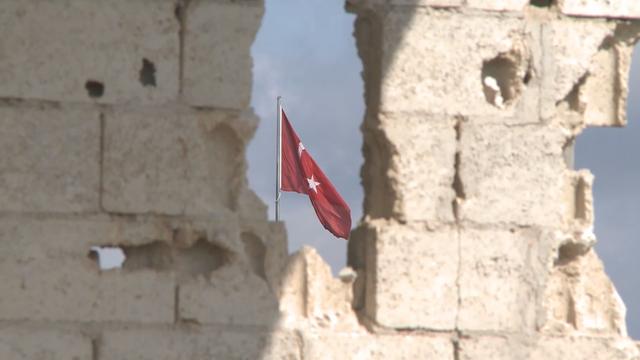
{"points": [[457, 47], [498, 5], [29, 344], [50, 159], [205, 344], [180, 162], [579, 297], [230, 295], [396, 268], [369, 346], [543, 348], [420, 169], [601, 8], [217, 57], [513, 175], [57, 48], [66, 290], [569, 63], [501, 272], [310, 291], [36, 239]]}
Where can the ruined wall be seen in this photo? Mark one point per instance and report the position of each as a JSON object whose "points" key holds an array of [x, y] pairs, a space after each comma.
{"points": [[476, 224], [123, 123]]}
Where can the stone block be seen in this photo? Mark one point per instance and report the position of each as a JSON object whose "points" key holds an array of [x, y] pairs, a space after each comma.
{"points": [[114, 51], [446, 63], [514, 175], [35, 239], [50, 158], [205, 344], [230, 295], [570, 63], [217, 52], [501, 279], [498, 5], [411, 278], [30, 344], [420, 168], [367, 346], [75, 290], [182, 162], [544, 348], [601, 8]]}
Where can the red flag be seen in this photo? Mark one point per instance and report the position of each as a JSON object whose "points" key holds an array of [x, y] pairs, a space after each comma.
{"points": [[301, 174]]}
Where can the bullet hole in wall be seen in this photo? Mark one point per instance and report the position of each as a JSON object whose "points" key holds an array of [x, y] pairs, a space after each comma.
{"points": [[148, 73], [95, 89]]}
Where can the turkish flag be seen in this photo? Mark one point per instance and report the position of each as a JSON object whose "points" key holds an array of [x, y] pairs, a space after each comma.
{"points": [[301, 174]]}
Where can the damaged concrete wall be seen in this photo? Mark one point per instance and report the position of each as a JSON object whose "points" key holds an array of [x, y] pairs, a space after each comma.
{"points": [[124, 124], [476, 225]]}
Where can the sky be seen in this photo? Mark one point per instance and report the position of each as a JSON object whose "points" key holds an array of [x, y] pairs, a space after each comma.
{"points": [[306, 53]]}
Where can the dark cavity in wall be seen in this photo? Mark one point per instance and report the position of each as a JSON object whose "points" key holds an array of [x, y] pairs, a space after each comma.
{"points": [[500, 80], [201, 258], [95, 89], [541, 3], [148, 73]]}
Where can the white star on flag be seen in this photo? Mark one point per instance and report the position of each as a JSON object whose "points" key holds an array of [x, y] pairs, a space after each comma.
{"points": [[313, 184], [300, 149]]}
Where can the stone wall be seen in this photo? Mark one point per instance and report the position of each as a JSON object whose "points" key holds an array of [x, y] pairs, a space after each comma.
{"points": [[124, 124]]}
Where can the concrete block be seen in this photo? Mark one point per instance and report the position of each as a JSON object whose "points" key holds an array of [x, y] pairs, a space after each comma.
{"points": [[35, 239], [569, 63], [543, 348], [217, 52], [77, 50], [420, 168], [230, 295], [329, 346], [50, 158], [75, 290], [205, 344], [174, 162], [601, 8], [498, 5], [30, 344], [402, 289], [514, 175], [443, 63], [501, 279]]}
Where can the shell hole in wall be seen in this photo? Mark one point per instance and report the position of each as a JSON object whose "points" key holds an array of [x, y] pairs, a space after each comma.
{"points": [[501, 82], [107, 257]]}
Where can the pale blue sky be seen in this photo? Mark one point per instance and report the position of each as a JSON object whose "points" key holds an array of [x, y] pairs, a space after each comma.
{"points": [[306, 53]]}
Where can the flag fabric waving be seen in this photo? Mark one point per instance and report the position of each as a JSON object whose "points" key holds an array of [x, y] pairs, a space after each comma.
{"points": [[301, 174]]}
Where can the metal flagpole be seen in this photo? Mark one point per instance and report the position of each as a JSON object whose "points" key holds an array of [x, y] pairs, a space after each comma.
{"points": [[278, 158]]}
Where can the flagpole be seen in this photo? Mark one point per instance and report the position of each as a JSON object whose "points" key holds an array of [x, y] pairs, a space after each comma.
{"points": [[278, 157]]}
